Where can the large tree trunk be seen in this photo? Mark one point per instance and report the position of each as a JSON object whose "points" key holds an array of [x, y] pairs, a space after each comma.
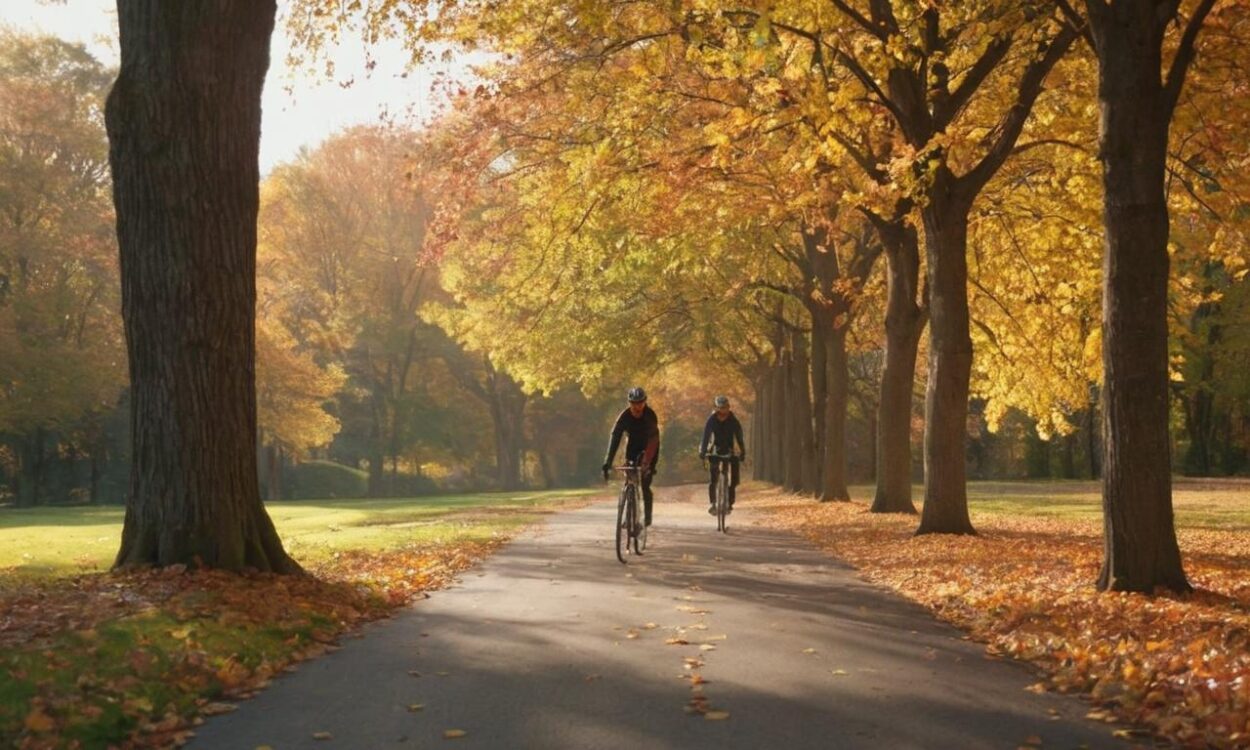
{"points": [[1140, 547], [184, 130], [777, 461], [833, 488], [905, 319], [802, 396], [821, 320], [800, 459], [758, 419], [950, 363]]}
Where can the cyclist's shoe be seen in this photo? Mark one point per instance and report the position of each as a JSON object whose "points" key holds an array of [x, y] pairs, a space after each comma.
{"points": [[711, 510]]}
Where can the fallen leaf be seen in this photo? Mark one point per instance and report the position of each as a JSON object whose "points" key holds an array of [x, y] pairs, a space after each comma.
{"points": [[840, 672], [716, 715], [38, 721], [451, 734], [322, 736], [414, 707]]}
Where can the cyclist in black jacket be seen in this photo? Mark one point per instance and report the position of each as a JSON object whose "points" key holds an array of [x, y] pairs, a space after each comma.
{"points": [[643, 446], [719, 434]]}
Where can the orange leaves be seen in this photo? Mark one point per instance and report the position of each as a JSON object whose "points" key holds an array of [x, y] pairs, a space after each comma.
{"points": [[1177, 664], [187, 635]]}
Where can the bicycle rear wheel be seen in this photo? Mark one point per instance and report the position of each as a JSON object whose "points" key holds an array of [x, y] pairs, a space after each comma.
{"points": [[622, 522], [722, 500]]}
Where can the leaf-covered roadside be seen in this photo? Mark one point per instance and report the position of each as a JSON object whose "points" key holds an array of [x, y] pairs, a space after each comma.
{"points": [[1179, 665], [135, 659]]}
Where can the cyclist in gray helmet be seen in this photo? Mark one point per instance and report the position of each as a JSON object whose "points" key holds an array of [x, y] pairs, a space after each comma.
{"points": [[643, 447], [719, 434]]}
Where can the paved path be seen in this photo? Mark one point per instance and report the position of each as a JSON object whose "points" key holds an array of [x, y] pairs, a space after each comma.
{"points": [[554, 644]]}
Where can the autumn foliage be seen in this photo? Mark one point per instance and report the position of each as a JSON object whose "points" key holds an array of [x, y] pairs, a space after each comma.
{"points": [[1177, 664], [135, 659]]}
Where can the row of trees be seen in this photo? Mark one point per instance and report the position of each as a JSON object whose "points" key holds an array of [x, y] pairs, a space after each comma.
{"points": [[730, 179], [346, 369], [645, 180]]}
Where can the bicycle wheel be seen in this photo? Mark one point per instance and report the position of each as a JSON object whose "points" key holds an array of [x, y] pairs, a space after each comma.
{"points": [[722, 499], [640, 525], [622, 523]]}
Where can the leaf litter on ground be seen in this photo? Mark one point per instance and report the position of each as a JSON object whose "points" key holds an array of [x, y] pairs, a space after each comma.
{"points": [[1177, 664], [135, 659]]}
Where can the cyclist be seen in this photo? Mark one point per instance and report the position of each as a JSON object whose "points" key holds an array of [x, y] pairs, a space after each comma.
{"points": [[719, 434], [643, 447]]}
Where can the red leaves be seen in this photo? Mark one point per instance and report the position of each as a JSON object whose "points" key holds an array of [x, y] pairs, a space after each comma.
{"points": [[1178, 664]]}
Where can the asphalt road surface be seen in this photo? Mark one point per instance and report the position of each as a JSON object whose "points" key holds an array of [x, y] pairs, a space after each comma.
{"points": [[746, 640]]}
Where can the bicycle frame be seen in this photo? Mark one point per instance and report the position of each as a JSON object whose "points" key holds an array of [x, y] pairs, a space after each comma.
{"points": [[631, 527], [722, 488]]}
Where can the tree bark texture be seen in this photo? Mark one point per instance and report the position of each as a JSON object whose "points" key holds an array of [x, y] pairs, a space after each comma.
{"points": [[905, 319], [1140, 547], [183, 121], [833, 488], [950, 362]]}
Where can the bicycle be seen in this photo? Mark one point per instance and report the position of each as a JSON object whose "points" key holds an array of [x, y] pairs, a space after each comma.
{"points": [[631, 527], [722, 488]]}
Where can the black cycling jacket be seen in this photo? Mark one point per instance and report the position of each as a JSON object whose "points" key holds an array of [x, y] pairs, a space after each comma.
{"points": [[718, 436], [644, 437]]}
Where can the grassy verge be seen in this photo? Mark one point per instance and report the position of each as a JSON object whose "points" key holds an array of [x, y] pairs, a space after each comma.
{"points": [[1179, 666], [95, 659]]}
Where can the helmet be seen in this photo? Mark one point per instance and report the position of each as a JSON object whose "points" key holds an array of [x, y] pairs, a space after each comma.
{"points": [[721, 402], [635, 395]]}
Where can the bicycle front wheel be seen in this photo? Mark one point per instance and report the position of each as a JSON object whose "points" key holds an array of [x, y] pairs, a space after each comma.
{"points": [[722, 501], [623, 507], [640, 525]]}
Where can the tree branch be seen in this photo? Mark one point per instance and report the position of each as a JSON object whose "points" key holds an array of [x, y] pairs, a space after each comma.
{"points": [[1185, 54], [1013, 122]]}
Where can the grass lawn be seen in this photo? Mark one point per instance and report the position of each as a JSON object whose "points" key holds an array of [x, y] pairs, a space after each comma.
{"points": [[91, 658], [62, 541], [1198, 503]]}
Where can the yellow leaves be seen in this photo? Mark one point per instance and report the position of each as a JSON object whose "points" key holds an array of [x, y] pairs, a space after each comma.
{"points": [[716, 715], [322, 736], [453, 734]]}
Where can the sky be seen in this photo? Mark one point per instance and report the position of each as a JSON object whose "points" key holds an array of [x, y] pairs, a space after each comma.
{"points": [[298, 109]]}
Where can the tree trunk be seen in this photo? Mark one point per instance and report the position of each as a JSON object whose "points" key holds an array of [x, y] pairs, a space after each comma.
{"points": [[905, 319], [38, 464], [1068, 456], [757, 426], [821, 321], [801, 394], [273, 472], [833, 488], [1140, 547], [1091, 440], [776, 440], [183, 121], [950, 363], [507, 411]]}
